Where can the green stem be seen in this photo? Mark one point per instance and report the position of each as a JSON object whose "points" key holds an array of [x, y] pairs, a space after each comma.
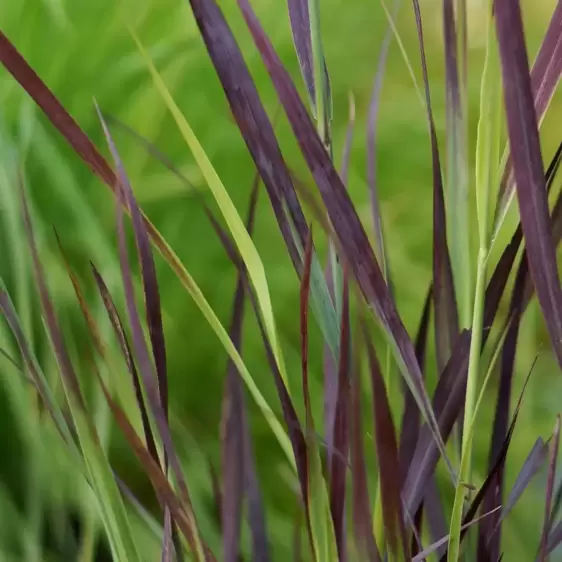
{"points": [[469, 406]]}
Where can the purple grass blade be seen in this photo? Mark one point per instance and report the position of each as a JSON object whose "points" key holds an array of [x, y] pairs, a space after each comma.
{"points": [[63, 359], [372, 122], [304, 303], [410, 427], [528, 170], [533, 463], [357, 250], [338, 467], [555, 538], [167, 543], [445, 305], [16, 65], [437, 523], [159, 481], [362, 522], [232, 438], [448, 401], [499, 278], [387, 455], [299, 17], [149, 281], [121, 336], [551, 476], [146, 367], [252, 120], [290, 416], [545, 76]]}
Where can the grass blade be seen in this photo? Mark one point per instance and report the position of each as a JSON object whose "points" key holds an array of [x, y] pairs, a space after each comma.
{"points": [[362, 523], [85, 149], [387, 454], [351, 235], [410, 427], [457, 165], [339, 461], [232, 438], [545, 76], [552, 461], [526, 153]]}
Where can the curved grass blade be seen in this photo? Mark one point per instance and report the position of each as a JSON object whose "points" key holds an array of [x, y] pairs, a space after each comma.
{"points": [[528, 171], [147, 371], [545, 76], [110, 503], [351, 234], [85, 149], [243, 241]]}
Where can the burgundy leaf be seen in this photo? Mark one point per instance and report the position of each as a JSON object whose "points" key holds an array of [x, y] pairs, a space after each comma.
{"points": [[528, 171]]}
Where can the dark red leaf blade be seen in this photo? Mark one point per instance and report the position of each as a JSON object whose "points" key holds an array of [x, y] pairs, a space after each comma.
{"points": [[121, 336], [528, 170], [545, 76], [445, 305], [387, 455], [362, 522], [410, 427], [357, 251]]}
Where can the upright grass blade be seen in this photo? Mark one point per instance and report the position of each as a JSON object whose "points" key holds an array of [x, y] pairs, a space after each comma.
{"points": [[553, 459], [232, 436], [304, 16], [444, 299], [352, 238], [339, 461], [296, 435], [147, 371], [545, 76], [85, 149], [410, 427], [457, 157], [475, 505], [362, 523], [526, 153], [387, 454], [374, 105], [320, 529]]}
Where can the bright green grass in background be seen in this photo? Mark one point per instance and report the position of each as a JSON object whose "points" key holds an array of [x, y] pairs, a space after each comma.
{"points": [[82, 50]]}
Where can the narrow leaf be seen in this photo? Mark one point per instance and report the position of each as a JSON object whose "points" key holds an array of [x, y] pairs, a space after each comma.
{"points": [[528, 171]]}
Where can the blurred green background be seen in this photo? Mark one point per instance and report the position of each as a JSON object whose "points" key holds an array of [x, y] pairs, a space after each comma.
{"points": [[82, 50]]}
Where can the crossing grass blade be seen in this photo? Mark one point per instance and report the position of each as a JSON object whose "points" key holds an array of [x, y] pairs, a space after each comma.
{"points": [[528, 171], [98, 470], [356, 248]]}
